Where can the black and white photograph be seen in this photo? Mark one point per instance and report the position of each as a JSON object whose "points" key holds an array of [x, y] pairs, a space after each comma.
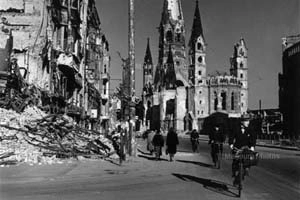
{"points": [[149, 99]]}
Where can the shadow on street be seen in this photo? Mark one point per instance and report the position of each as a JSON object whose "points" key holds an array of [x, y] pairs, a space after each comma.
{"points": [[152, 158], [143, 152], [213, 185], [196, 163]]}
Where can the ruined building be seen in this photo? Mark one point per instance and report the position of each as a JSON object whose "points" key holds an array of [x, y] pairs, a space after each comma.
{"points": [[57, 48], [180, 93]]}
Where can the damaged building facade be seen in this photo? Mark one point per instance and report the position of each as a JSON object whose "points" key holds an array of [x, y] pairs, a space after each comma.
{"points": [[58, 52], [180, 93], [289, 92]]}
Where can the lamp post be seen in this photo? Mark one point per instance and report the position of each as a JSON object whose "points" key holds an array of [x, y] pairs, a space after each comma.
{"points": [[131, 56]]}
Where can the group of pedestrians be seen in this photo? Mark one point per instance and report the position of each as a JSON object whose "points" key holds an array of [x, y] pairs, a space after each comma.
{"points": [[155, 143], [242, 137]]}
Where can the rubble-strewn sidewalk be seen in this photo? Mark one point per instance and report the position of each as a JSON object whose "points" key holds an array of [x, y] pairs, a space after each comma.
{"points": [[34, 137]]}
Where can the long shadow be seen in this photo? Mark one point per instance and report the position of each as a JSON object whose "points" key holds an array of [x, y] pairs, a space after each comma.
{"points": [[196, 163], [213, 185], [152, 158], [143, 152], [113, 161]]}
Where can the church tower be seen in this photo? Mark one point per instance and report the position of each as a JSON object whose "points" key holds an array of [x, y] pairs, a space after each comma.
{"points": [[172, 33], [147, 67], [239, 69], [147, 84], [197, 69]]}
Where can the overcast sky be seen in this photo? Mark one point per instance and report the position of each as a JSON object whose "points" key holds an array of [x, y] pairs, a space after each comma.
{"points": [[262, 23]]}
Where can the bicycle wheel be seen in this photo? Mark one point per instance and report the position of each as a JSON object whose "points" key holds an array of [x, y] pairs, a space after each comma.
{"points": [[240, 178], [218, 160], [219, 156]]}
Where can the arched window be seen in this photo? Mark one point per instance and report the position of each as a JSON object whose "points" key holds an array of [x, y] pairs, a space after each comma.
{"points": [[223, 96], [216, 101], [178, 37], [199, 46], [200, 59], [232, 101], [169, 36]]}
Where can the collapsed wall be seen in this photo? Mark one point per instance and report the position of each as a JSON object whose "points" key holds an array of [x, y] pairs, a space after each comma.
{"points": [[34, 137]]}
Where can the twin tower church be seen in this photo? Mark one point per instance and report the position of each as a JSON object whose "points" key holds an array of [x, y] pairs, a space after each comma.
{"points": [[180, 93]]}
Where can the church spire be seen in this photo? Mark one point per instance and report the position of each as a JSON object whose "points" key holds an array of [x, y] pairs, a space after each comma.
{"points": [[170, 78], [173, 9], [197, 27], [170, 60], [148, 57]]}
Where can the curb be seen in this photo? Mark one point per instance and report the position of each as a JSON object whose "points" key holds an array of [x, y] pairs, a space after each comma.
{"points": [[259, 145], [279, 147]]}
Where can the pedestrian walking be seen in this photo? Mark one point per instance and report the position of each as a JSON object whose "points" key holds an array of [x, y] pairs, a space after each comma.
{"points": [[150, 146], [172, 142], [158, 143], [194, 140]]}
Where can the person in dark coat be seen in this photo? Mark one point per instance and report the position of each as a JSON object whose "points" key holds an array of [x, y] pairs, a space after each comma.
{"points": [[172, 142], [216, 139], [158, 143], [194, 140], [243, 138]]}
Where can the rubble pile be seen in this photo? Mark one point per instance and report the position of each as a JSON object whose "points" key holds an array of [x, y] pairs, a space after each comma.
{"points": [[35, 137]]}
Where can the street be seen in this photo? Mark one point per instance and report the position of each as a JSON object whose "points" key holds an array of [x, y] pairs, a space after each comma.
{"points": [[190, 176]]}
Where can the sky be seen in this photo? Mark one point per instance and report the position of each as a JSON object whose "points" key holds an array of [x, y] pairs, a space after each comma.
{"points": [[262, 23]]}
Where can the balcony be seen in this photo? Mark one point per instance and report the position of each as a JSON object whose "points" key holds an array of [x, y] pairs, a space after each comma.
{"points": [[105, 78], [3, 79], [73, 110], [104, 96], [104, 117]]}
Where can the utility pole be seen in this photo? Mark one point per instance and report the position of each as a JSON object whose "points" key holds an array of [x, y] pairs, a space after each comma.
{"points": [[131, 55]]}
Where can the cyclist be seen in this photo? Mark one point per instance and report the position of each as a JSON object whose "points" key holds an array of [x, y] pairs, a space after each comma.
{"points": [[194, 140], [216, 139], [243, 138]]}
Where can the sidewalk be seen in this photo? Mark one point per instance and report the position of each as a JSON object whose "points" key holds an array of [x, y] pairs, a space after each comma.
{"points": [[260, 143]]}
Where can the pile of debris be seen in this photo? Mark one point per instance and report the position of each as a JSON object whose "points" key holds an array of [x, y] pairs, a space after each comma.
{"points": [[35, 137], [18, 99]]}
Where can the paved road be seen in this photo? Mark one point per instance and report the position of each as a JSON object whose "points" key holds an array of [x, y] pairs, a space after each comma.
{"points": [[191, 176], [278, 172]]}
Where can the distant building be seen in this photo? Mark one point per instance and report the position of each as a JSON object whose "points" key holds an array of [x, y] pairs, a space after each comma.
{"points": [[289, 90], [180, 93], [270, 121]]}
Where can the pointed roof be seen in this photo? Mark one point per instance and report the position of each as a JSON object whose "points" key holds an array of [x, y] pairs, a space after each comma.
{"points": [[197, 29], [148, 57], [170, 56], [174, 6], [170, 77], [165, 13], [172, 9], [157, 76]]}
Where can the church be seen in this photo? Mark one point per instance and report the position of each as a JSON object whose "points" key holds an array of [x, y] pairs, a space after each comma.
{"points": [[179, 93]]}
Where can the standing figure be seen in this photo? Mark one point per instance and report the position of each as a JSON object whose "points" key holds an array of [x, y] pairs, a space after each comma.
{"points": [[172, 142], [194, 140], [150, 146], [158, 143]]}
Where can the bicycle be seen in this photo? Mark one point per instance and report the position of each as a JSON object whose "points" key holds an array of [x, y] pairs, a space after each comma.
{"points": [[195, 143], [245, 158], [217, 149]]}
